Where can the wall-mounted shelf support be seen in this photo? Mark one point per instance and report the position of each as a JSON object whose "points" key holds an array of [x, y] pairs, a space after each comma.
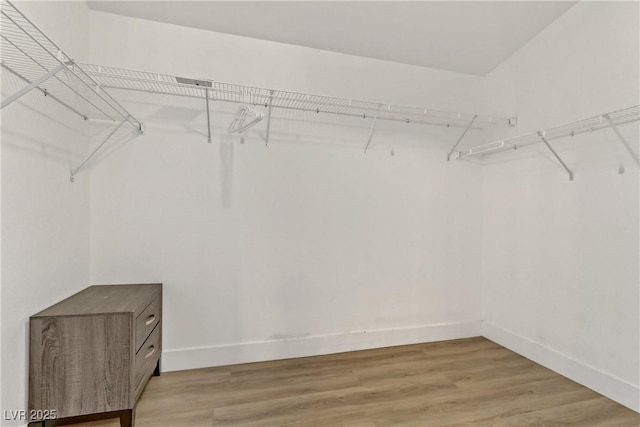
{"points": [[206, 94], [543, 139], [633, 154], [461, 137], [371, 129], [266, 138], [95, 150], [32, 85]]}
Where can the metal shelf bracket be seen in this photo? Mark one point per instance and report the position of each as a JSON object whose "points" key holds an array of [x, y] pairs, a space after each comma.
{"points": [[95, 150], [543, 139], [461, 137], [266, 138], [371, 129], [206, 94], [633, 154]]}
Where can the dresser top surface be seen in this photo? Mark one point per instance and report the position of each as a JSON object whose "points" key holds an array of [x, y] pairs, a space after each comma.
{"points": [[99, 299]]}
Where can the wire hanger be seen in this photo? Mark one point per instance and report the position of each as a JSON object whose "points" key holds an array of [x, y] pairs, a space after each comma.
{"points": [[245, 117]]}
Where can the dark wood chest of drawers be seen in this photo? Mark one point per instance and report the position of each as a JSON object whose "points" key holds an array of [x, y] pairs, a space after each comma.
{"points": [[92, 354]]}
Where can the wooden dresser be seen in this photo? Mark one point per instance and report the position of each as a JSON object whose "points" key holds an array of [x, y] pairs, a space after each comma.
{"points": [[92, 354]]}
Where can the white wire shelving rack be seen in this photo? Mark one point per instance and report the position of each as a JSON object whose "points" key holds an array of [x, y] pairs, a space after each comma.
{"points": [[611, 120], [34, 59], [214, 91]]}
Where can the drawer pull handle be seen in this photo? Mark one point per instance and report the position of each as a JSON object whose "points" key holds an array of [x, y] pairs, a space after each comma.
{"points": [[150, 319], [151, 351]]}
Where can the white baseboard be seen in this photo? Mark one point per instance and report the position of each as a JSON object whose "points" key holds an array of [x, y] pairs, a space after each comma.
{"points": [[604, 383], [259, 351]]}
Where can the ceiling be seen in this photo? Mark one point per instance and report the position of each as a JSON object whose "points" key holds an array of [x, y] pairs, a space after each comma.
{"points": [[471, 37]]}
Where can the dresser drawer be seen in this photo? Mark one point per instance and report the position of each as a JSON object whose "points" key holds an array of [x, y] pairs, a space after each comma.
{"points": [[93, 353], [147, 321], [146, 359]]}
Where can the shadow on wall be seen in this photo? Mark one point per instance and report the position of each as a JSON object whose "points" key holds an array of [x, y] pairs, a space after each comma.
{"points": [[50, 131], [226, 169]]}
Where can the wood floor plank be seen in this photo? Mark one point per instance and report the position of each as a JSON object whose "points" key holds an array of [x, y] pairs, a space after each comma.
{"points": [[481, 408], [324, 404], [598, 411], [470, 382], [455, 369], [355, 419]]}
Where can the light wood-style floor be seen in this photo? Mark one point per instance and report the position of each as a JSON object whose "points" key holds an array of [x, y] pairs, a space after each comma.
{"points": [[471, 382]]}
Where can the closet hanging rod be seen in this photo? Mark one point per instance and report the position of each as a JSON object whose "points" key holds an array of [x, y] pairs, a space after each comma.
{"points": [[36, 60], [119, 78], [602, 121]]}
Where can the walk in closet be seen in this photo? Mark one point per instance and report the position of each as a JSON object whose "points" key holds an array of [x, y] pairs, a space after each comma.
{"points": [[451, 188]]}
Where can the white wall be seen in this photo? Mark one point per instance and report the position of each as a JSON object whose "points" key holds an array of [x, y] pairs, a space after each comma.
{"points": [[561, 259], [307, 246], [182, 51], [45, 218]]}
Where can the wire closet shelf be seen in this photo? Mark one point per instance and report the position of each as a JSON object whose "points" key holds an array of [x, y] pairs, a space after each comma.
{"points": [[605, 120], [214, 91], [38, 63]]}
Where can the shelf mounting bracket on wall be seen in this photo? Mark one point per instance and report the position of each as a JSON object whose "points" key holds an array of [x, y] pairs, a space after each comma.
{"points": [[543, 139], [95, 150], [206, 94], [266, 138], [371, 129], [461, 137], [633, 154]]}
